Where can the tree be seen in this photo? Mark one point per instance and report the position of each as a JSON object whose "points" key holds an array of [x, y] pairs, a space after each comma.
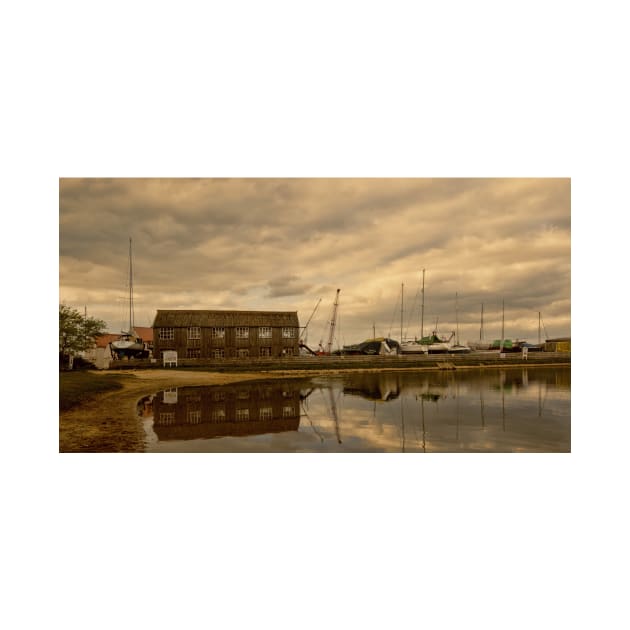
{"points": [[76, 332]]}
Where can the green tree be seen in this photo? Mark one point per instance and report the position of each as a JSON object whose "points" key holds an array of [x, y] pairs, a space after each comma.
{"points": [[76, 332]]}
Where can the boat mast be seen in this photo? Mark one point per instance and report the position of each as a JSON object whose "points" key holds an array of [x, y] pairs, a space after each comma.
{"points": [[130, 290], [502, 325], [402, 297], [538, 327], [456, 320], [422, 315], [481, 327]]}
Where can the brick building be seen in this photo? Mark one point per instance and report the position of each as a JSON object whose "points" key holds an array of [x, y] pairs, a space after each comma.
{"points": [[201, 334]]}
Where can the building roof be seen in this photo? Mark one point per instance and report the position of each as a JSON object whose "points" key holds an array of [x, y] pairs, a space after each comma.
{"points": [[203, 318], [102, 341], [145, 333]]}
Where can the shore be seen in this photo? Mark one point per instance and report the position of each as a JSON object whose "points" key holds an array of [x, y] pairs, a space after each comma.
{"points": [[108, 422]]}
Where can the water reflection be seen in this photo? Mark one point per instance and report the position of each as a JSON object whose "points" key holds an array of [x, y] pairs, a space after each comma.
{"points": [[451, 411], [191, 413]]}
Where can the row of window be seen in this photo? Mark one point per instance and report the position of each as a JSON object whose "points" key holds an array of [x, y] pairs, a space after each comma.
{"points": [[242, 332], [241, 353], [194, 417]]}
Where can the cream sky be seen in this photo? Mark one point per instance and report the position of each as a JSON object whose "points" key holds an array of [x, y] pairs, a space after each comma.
{"points": [[282, 244]]}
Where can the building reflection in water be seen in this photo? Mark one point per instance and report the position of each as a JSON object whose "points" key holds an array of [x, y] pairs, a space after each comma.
{"points": [[190, 413]]}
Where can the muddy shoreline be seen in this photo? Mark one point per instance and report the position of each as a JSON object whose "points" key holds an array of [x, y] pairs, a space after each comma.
{"points": [[108, 422]]}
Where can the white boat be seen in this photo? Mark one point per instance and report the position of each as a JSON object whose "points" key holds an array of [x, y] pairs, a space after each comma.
{"points": [[129, 345], [433, 344]]}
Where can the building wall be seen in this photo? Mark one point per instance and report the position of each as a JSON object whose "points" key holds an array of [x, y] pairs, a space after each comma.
{"points": [[557, 346], [254, 346]]}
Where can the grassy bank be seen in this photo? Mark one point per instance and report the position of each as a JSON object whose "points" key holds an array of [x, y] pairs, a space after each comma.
{"points": [[85, 422], [77, 388]]}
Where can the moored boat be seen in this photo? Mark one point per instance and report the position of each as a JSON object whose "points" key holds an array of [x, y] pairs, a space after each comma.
{"points": [[378, 346], [433, 344]]}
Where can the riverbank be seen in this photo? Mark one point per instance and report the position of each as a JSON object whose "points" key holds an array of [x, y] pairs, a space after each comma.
{"points": [[107, 420]]}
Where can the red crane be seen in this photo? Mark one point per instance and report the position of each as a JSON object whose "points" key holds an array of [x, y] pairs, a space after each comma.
{"points": [[333, 322]]}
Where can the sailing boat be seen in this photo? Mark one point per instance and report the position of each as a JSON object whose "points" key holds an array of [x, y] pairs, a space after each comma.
{"points": [[129, 345], [433, 343]]}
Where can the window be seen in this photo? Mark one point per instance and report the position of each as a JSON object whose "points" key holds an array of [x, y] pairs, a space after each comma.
{"points": [[167, 418], [218, 395], [287, 352], [243, 353], [265, 352], [218, 353], [193, 353], [242, 414], [217, 333], [218, 414], [194, 417], [243, 394], [264, 332], [288, 333], [194, 332], [242, 332], [167, 334], [287, 412], [265, 413]]}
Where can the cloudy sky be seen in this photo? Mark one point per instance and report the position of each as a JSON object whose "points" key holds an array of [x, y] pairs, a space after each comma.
{"points": [[284, 244]]}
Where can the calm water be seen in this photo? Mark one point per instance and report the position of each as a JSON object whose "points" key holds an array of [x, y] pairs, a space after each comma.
{"points": [[511, 410]]}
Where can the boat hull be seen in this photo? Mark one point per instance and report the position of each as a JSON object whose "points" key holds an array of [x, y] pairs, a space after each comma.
{"points": [[129, 348]]}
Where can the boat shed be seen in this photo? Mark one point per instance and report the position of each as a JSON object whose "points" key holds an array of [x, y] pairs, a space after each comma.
{"points": [[560, 344], [209, 334]]}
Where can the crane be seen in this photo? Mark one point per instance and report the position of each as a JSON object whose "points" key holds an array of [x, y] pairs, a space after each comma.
{"points": [[303, 337], [333, 322], [304, 334]]}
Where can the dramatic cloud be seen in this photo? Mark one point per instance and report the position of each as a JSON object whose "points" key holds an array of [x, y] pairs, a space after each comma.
{"points": [[282, 244]]}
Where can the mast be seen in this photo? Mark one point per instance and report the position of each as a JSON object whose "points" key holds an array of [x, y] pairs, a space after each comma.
{"points": [[402, 296], [422, 315], [456, 320], [481, 327], [502, 325], [538, 327], [130, 289]]}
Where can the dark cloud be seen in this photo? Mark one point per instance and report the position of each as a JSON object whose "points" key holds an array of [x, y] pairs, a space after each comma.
{"points": [[288, 285]]}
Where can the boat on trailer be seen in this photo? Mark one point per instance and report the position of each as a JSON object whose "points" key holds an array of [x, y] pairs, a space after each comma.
{"points": [[129, 345]]}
